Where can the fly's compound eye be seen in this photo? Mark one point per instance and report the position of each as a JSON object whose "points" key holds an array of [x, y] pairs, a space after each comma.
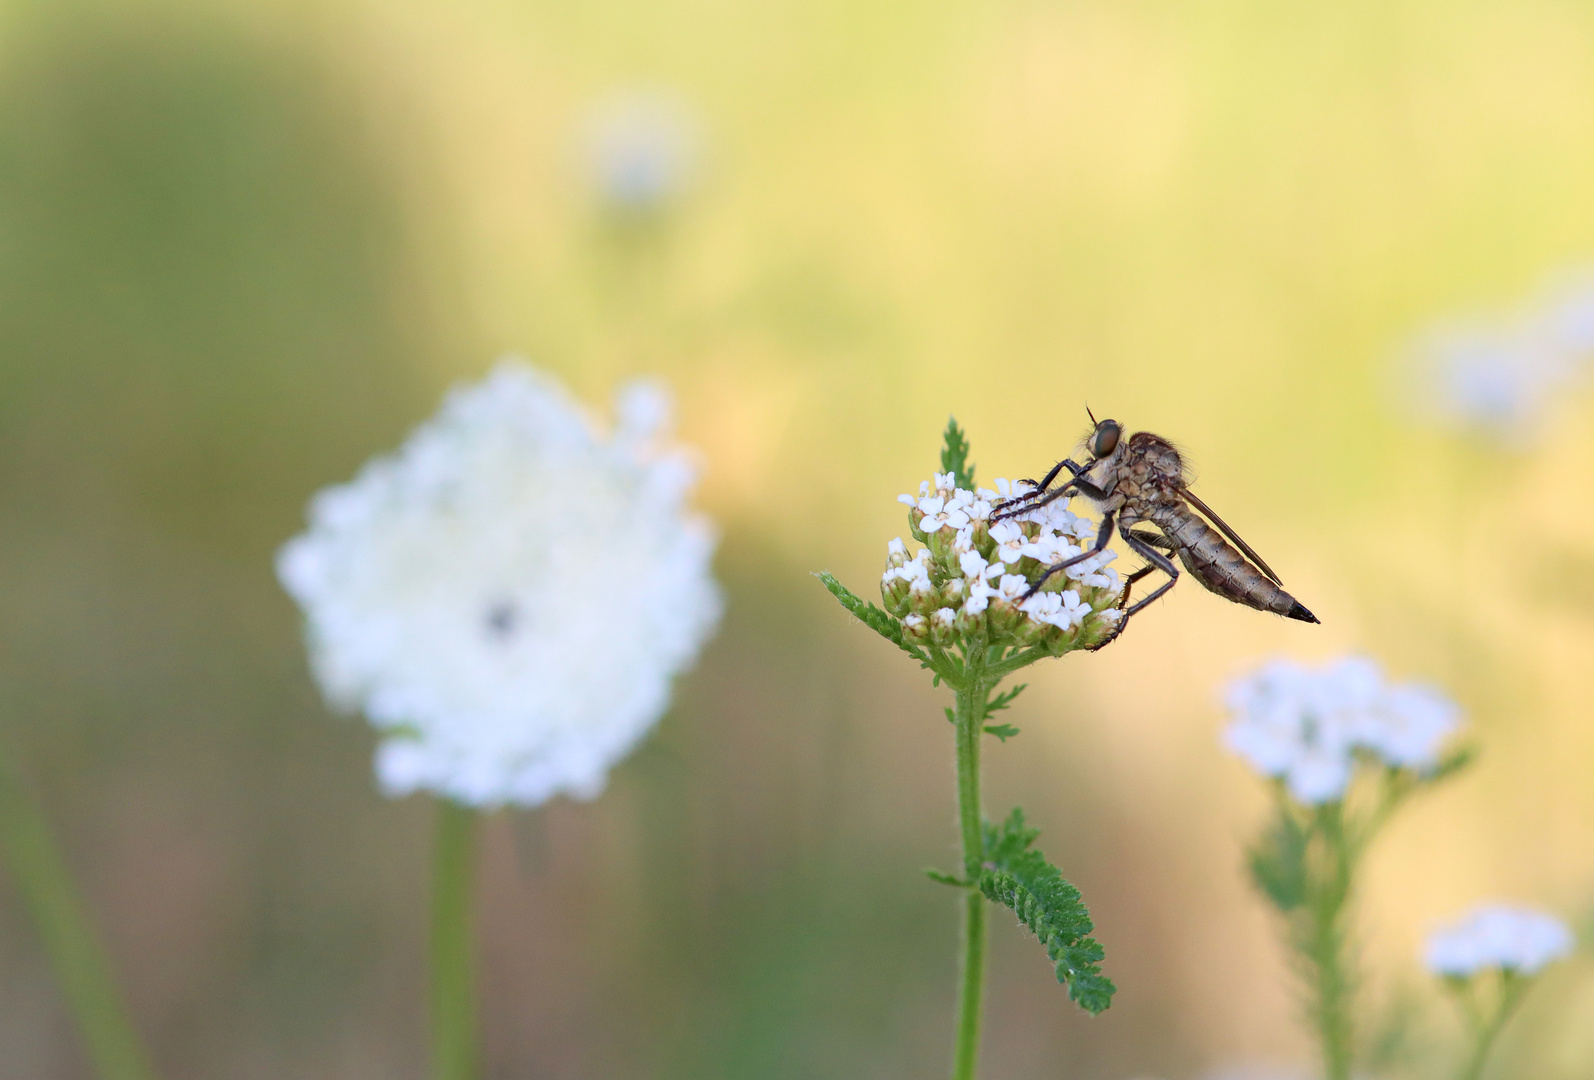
{"points": [[1105, 441]]}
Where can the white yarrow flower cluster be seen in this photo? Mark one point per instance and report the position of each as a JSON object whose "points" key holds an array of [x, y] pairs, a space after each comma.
{"points": [[509, 595], [973, 576], [1500, 937], [1305, 726], [1499, 376]]}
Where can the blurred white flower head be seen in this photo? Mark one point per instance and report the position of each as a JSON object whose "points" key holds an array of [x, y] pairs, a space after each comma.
{"points": [[643, 147], [1497, 936], [1304, 725], [509, 595], [1499, 376]]}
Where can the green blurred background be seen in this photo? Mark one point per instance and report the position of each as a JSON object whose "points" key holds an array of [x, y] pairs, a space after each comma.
{"points": [[245, 246]]}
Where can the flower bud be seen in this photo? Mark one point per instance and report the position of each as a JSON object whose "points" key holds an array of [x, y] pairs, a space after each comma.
{"points": [[953, 592], [894, 592], [922, 597], [1003, 616], [971, 617], [943, 626], [916, 628]]}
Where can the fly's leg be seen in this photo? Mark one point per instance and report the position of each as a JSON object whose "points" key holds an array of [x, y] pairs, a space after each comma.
{"points": [[1010, 506], [1078, 484], [1139, 544], [1155, 539], [1103, 536]]}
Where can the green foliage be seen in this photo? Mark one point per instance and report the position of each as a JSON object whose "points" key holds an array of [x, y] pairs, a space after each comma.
{"points": [[881, 622], [1002, 701], [943, 878], [1001, 731], [1278, 863], [1022, 879], [955, 455], [1452, 763]]}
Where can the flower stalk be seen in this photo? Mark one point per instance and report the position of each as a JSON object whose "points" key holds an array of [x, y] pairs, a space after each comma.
{"points": [[1343, 749], [455, 1046], [69, 938], [972, 606], [970, 723]]}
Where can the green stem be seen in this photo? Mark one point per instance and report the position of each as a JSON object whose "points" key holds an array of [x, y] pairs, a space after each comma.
{"points": [[454, 1036], [1326, 948], [1485, 1034], [74, 948], [970, 716]]}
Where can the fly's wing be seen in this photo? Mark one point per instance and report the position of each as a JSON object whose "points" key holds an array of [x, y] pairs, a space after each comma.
{"points": [[1223, 526]]}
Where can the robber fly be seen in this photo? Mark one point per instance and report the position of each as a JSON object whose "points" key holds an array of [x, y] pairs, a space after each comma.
{"points": [[1140, 478]]}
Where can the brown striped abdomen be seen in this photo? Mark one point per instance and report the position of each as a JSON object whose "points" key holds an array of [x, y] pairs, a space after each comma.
{"points": [[1215, 563]]}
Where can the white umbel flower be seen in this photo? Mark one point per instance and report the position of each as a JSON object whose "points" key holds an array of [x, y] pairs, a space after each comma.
{"points": [[509, 595], [1499, 936], [1304, 725]]}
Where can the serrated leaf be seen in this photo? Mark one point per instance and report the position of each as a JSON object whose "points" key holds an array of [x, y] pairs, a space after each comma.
{"points": [[881, 622], [1001, 731], [1278, 863], [1021, 879], [1002, 701], [955, 455]]}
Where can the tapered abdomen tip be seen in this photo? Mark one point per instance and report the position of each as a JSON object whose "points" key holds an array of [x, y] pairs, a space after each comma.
{"points": [[1299, 612]]}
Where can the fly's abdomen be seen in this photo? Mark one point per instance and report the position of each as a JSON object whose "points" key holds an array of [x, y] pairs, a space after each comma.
{"points": [[1213, 562]]}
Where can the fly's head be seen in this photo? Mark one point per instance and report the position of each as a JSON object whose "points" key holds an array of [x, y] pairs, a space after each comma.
{"points": [[1104, 443]]}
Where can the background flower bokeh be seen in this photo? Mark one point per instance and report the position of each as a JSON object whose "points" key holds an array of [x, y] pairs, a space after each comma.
{"points": [[245, 246]]}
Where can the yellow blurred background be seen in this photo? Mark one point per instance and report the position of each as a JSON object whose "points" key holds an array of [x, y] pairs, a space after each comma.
{"points": [[245, 246]]}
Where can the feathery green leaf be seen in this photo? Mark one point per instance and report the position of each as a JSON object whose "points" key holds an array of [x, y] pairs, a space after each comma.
{"points": [[1034, 889], [1001, 731], [881, 622], [1278, 862], [1002, 701], [955, 455]]}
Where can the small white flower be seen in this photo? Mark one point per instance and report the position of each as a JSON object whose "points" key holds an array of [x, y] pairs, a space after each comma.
{"points": [[1092, 566], [943, 618], [1010, 541], [509, 595], [1012, 587], [1498, 936], [939, 514], [1047, 607], [1104, 578], [979, 593], [973, 565], [1074, 609], [1408, 725], [1304, 725], [1043, 547], [1282, 730], [907, 500]]}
